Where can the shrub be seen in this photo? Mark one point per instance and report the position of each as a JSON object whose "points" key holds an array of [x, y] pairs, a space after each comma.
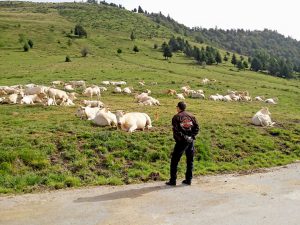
{"points": [[26, 47], [155, 46], [84, 51], [135, 49], [68, 59], [80, 31], [119, 50], [30, 43]]}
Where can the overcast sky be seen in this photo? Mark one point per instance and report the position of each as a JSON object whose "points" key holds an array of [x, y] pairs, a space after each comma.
{"points": [[280, 15]]}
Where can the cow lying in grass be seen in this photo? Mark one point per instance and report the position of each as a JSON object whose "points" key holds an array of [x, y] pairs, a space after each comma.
{"points": [[262, 118], [133, 121]]}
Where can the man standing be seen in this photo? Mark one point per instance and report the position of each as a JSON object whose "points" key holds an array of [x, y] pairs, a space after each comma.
{"points": [[185, 129]]}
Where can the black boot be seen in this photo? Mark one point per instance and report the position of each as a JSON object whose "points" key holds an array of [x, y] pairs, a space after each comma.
{"points": [[171, 183], [187, 182]]}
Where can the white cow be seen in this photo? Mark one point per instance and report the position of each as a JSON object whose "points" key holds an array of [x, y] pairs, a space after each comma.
{"points": [[149, 101], [90, 91], [105, 82], [78, 83], [198, 95], [133, 120], [93, 103], [31, 99], [105, 118], [50, 101], [259, 98], [117, 90], [36, 90], [68, 87], [87, 112], [262, 118], [57, 82], [102, 88], [227, 98], [271, 101], [180, 96], [57, 94], [127, 90], [67, 102]]}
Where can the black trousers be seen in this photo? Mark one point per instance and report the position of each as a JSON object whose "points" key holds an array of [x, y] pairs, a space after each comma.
{"points": [[179, 148]]}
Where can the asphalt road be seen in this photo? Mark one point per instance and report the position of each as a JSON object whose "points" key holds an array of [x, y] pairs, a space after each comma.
{"points": [[271, 197]]}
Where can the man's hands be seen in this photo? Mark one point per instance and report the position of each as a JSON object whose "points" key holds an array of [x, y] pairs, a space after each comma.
{"points": [[188, 139]]}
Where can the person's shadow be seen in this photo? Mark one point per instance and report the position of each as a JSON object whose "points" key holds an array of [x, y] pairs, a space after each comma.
{"points": [[132, 193]]}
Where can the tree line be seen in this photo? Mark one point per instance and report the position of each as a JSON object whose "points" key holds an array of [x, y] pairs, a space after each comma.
{"points": [[203, 56]]}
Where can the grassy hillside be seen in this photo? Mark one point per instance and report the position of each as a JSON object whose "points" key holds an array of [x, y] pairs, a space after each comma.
{"points": [[49, 148]]}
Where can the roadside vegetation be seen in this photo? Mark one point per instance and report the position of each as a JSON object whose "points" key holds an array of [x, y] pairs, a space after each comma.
{"points": [[50, 148]]}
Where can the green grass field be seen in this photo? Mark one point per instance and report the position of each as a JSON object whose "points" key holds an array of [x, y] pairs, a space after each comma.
{"points": [[49, 148]]}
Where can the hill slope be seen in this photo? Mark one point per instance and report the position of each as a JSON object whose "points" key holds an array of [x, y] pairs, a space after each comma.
{"points": [[48, 147]]}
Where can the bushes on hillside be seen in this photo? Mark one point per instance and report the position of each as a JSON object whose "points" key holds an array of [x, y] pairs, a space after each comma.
{"points": [[68, 59], [135, 49], [119, 51], [80, 31]]}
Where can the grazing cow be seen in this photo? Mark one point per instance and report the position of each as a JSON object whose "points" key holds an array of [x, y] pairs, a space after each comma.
{"points": [[93, 103], [262, 118], [90, 91], [180, 96], [133, 120], [87, 112], [57, 94], [271, 101], [105, 118]]}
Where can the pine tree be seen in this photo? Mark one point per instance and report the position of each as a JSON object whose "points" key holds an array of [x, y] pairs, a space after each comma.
{"points": [[140, 10], [256, 64], [233, 60], [218, 58], [167, 52]]}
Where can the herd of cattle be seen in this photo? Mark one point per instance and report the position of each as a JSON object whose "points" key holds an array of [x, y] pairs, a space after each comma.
{"points": [[96, 111]]}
